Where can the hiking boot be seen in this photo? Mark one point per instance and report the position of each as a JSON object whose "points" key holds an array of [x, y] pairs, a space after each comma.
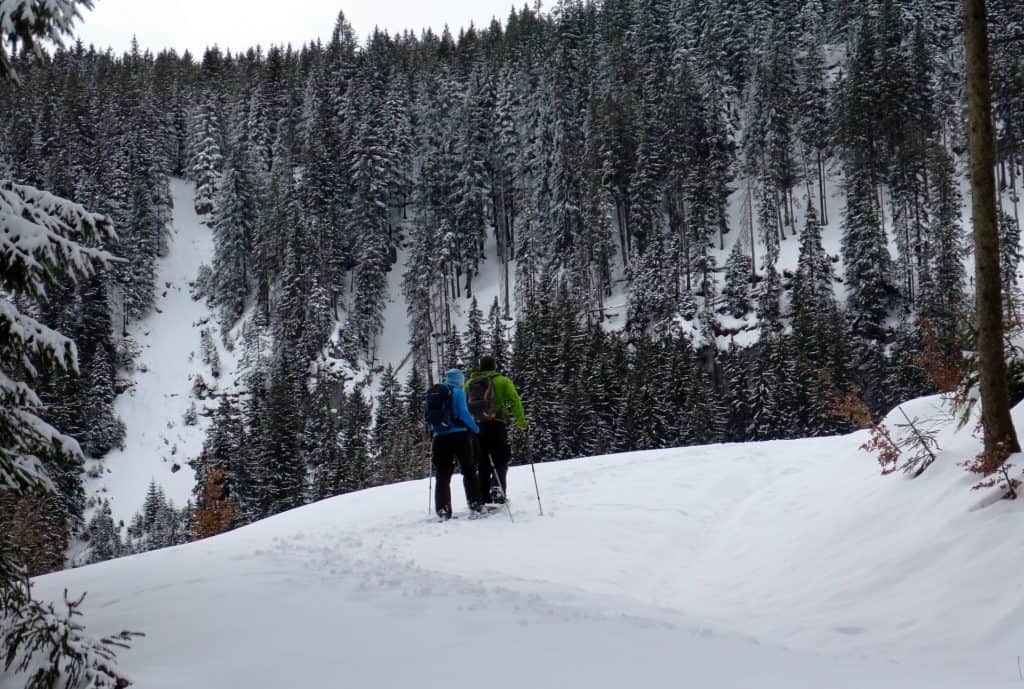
{"points": [[497, 496], [444, 514], [476, 507]]}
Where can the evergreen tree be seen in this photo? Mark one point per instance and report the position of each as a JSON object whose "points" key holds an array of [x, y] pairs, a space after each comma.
{"points": [[866, 257], [233, 226], [475, 337], [356, 462], [738, 270], [390, 433], [815, 314], [320, 443], [943, 298], [498, 343], [207, 155], [279, 474], [104, 540]]}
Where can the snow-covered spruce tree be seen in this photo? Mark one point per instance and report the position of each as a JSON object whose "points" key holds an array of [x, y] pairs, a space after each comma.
{"points": [[475, 338], [1009, 256], [207, 156], [812, 121], [389, 437], [320, 438], [418, 451], [233, 226], [704, 409], [498, 339], [104, 537], [814, 312], [355, 460], [223, 452], [159, 524], [943, 298], [277, 471], [454, 355], [866, 256], [818, 335], [738, 269], [366, 218]]}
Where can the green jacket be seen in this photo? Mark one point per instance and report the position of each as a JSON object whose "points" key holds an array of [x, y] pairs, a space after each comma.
{"points": [[506, 398]]}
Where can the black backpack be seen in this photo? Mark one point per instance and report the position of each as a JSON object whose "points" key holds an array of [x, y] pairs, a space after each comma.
{"points": [[481, 399], [437, 411]]}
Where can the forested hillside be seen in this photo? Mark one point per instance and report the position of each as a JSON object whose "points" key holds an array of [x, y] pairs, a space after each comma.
{"points": [[707, 220]]}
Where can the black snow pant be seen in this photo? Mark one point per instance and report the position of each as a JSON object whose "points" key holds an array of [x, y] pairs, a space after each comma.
{"points": [[446, 449], [492, 446]]}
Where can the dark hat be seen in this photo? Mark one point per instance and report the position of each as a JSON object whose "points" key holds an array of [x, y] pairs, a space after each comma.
{"points": [[487, 363]]}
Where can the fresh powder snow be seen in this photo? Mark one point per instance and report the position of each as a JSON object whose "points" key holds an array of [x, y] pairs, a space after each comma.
{"points": [[772, 565]]}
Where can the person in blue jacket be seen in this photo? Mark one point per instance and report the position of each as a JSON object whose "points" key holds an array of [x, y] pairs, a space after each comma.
{"points": [[454, 443]]}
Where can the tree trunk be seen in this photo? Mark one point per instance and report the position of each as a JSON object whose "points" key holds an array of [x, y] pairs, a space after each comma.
{"points": [[821, 189], [1000, 436]]}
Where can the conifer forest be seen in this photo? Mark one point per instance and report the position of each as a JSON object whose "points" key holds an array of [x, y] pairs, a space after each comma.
{"points": [[707, 220]]}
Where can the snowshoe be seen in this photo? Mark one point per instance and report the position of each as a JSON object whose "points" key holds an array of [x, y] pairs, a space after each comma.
{"points": [[493, 507]]}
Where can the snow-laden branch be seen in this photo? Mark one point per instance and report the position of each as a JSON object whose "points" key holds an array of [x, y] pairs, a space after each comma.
{"points": [[43, 239], [42, 235], [31, 339], [32, 21]]}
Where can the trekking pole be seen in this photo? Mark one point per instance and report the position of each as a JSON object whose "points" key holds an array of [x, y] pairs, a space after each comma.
{"points": [[430, 469], [529, 456], [504, 493]]}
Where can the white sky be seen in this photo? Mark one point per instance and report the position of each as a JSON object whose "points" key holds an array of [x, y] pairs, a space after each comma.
{"points": [[241, 24]]}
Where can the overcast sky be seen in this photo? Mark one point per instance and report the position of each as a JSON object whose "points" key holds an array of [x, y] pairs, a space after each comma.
{"points": [[240, 24]]}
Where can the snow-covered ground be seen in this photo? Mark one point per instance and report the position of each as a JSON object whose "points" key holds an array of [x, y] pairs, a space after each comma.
{"points": [[772, 565], [159, 444]]}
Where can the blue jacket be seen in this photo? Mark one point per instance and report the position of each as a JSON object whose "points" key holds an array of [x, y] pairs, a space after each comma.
{"points": [[454, 379]]}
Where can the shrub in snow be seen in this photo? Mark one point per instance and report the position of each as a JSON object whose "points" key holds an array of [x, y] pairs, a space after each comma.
{"points": [[200, 390], [126, 353], [213, 513], [102, 534], [210, 356], [202, 288]]}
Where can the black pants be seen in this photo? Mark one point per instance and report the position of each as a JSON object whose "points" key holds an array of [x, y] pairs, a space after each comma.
{"points": [[446, 449], [492, 446]]}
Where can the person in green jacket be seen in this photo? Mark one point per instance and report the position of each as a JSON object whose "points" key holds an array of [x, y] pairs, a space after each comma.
{"points": [[494, 403]]}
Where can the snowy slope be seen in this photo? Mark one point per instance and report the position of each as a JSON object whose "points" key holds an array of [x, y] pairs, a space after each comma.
{"points": [[153, 409], [773, 565]]}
